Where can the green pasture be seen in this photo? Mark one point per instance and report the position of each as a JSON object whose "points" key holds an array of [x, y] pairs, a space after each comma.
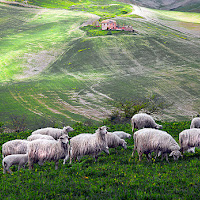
{"points": [[114, 176], [106, 8]]}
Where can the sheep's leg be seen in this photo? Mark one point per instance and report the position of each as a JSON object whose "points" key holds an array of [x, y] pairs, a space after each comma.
{"points": [[30, 164], [147, 156], [4, 170], [70, 162], [19, 167], [96, 157], [65, 159], [166, 157], [140, 156], [78, 158], [56, 165], [8, 169], [133, 151]]}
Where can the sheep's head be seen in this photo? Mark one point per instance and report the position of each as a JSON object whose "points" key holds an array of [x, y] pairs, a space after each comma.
{"points": [[124, 143], [67, 129], [176, 154], [64, 139], [103, 130], [128, 136], [159, 126], [191, 150]]}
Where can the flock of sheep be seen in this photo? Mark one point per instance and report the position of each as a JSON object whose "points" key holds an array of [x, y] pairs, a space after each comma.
{"points": [[52, 144]]}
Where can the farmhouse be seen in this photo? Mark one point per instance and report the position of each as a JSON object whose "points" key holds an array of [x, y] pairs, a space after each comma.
{"points": [[110, 24]]}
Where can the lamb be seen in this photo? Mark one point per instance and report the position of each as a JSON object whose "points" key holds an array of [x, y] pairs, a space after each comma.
{"points": [[195, 123], [189, 138], [122, 134], [54, 132], [18, 159], [113, 141], [39, 136], [88, 144], [143, 120], [48, 150], [150, 140], [14, 147]]}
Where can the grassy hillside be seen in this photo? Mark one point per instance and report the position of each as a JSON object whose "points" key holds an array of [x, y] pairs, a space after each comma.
{"points": [[53, 71], [114, 176]]}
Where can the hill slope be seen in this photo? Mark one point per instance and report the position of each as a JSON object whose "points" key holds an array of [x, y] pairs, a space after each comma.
{"points": [[54, 71]]}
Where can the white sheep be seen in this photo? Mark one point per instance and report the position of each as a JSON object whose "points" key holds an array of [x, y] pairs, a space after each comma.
{"points": [[113, 141], [39, 136], [122, 134], [150, 140], [189, 138], [143, 120], [88, 144], [54, 132], [195, 123], [14, 147], [16, 159], [47, 150]]}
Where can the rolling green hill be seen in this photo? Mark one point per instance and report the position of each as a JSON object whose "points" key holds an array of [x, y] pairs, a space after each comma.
{"points": [[51, 70]]}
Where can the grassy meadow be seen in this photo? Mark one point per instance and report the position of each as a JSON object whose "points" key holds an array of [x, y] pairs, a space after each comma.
{"points": [[114, 176]]}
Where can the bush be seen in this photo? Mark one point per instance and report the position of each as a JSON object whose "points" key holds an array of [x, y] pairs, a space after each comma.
{"points": [[125, 109]]}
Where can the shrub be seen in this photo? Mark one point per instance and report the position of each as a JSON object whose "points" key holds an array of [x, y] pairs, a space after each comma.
{"points": [[125, 109]]}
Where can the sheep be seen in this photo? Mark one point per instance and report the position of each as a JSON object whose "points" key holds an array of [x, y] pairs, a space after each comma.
{"points": [[195, 123], [14, 147], [189, 138], [150, 140], [113, 141], [54, 132], [88, 144], [47, 150], [143, 120], [39, 136], [122, 134], [17, 159]]}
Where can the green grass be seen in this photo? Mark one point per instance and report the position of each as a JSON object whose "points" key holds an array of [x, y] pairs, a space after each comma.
{"points": [[106, 8], [117, 176]]}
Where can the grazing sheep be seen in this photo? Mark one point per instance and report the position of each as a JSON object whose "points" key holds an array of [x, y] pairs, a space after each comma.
{"points": [[113, 141], [122, 134], [195, 123], [142, 120], [150, 140], [189, 138], [39, 136], [17, 159], [54, 132], [88, 144], [47, 150], [14, 147]]}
